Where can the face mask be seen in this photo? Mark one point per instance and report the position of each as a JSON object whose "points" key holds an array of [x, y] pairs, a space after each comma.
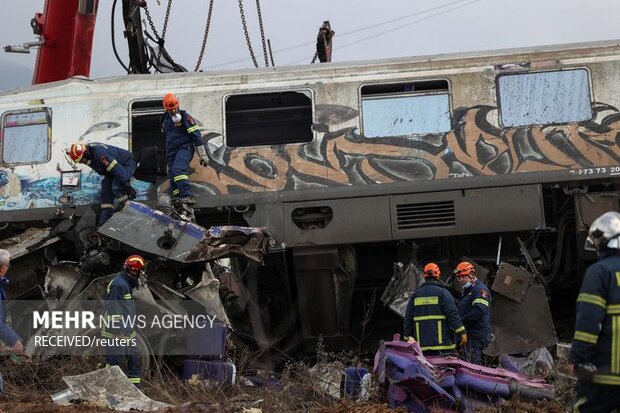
{"points": [[176, 118]]}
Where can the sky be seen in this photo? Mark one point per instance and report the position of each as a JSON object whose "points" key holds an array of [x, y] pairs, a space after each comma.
{"points": [[364, 29]]}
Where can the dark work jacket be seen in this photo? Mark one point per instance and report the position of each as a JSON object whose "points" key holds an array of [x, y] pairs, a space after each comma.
{"points": [[181, 133], [475, 311], [7, 335], [108, 160], [432, 318], [597, 325], [120, 304]]}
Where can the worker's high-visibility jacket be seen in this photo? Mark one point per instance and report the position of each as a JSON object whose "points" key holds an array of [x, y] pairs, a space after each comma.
{"points": [[181, 133], [110, 161], [597, 325], [475, 311], [120, 309], [432, 318]]}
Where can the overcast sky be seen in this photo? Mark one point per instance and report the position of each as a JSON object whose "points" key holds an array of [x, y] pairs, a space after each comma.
{"points": [[365, 29]]}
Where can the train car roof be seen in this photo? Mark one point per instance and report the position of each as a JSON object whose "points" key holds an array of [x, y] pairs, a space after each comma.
{"points": [[308, 71]]}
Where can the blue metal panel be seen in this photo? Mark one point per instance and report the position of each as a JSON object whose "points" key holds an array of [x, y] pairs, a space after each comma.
{"points": [[544, 98], [406, 115]]}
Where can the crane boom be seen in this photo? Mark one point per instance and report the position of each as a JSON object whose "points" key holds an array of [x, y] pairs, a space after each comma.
{"points": [[67, 29]]}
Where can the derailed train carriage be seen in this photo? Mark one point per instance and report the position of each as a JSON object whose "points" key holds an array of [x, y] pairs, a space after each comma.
{"points": [[500, 156]]}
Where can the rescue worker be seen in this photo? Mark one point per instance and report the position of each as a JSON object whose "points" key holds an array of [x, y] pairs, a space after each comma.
{"points": [[182, 135], [116, 165], [7, 334], [121, 306], [432, 318], [595, 351], [475, 311]]}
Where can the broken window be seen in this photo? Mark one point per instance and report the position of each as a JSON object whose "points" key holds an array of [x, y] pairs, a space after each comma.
{"points": [[268, 118], [26, 136], [403, 109], [544, 98]]}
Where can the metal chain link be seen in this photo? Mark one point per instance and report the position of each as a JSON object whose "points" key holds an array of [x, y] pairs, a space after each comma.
{"points": [[163, 31], [204, 39], [245, 31], [316, 55], [150, 21], [160, 40], [262, 33]]}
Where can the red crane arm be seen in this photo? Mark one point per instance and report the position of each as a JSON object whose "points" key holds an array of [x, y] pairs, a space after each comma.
{"points": [[67, 27]]}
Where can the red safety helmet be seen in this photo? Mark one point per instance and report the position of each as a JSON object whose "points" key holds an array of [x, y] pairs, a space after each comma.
{"points": [[464, 268], [432, 270], [76, 152], [134, 264], [171, 102]]}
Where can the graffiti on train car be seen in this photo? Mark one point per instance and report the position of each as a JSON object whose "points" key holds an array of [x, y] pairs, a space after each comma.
{"points": [[474, 147], [342, 156]]}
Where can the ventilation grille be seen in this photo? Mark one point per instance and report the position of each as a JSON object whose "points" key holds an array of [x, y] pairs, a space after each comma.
{"points": [[425, 215]]}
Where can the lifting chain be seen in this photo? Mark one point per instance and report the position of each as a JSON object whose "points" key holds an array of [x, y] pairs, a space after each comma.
{"points": [[160, 40], [247, 36], [204, 39], [262, 32], [316, 55]]}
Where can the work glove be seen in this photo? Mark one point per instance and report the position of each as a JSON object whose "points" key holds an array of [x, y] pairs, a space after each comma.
{"points": [[131, 193], [463, 340], [202, 153]]}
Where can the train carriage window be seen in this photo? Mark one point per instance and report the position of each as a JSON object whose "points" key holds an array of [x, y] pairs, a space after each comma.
{"points": [[544, 98], [26, 136], [405, 108], [268, 118]]}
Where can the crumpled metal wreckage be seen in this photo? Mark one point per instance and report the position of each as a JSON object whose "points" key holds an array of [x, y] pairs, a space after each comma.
{"points": [[152, 231], [448, 384], [145, 229]]}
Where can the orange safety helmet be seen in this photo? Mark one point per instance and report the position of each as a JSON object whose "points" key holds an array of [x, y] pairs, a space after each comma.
{"points": [[171, 102], [432, 270], [134, 263], [465, 268], [76, 152]]}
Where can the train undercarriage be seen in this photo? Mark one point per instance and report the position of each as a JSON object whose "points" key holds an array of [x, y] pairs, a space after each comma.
{"points": [[336, 294]]}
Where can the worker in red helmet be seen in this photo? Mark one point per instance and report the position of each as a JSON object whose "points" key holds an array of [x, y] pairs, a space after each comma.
{"points": [[475, 311], [120, 336], [432, 318], [182, 139], [116, 165]]}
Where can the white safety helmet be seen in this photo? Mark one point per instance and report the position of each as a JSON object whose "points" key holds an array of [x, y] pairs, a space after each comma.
{"points": [[604, 232]]}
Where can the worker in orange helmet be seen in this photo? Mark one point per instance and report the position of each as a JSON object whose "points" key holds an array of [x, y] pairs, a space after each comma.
{"points": [[120, 337], [432, 318], [475, 311], [182, 137]]}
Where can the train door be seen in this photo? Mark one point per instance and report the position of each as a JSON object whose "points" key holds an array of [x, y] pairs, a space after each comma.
{"points": [[146, 140]]}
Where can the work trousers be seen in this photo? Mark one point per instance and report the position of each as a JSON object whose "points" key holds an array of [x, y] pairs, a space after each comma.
{"points": [[112, 188], [128, 358], [472, 351], [596, 398], [178, 171]]}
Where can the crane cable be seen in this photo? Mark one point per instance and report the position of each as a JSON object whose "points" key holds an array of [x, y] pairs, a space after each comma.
{"points": [[204, 38], [114, 41]]}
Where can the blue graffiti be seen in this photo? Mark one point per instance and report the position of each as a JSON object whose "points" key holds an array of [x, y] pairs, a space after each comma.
{"points": [[47, 193]]}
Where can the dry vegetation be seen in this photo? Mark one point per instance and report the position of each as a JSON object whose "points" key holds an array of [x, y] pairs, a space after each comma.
{"points": [[299, 388]]}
